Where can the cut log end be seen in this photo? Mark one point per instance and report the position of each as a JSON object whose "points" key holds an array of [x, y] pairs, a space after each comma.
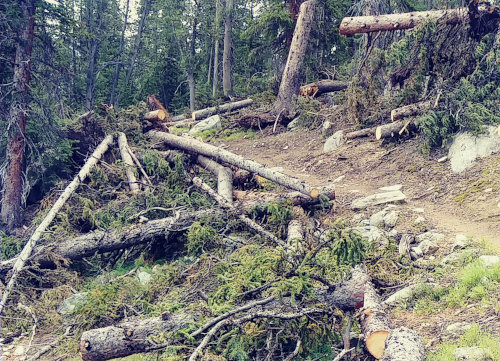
{"points": [[156, 115], [375, 343], [378, 133], [314, 193]]}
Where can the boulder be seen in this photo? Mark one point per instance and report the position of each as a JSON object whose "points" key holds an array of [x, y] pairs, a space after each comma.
{"points": [[429, 236], [490, 260], [334, 142], [378, 198], [466, 148], [213, 122], [471, 354]]}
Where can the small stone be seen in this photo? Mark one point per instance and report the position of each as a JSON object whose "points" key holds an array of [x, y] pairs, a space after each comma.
{"points": [[358, 217], [488, 190], [391, 219], [334, 141], [377, 219], [396, 187], [460, 242], [452, 258], [430, 236], [428, 247], [379, 198], [371, 234], [418, 210], [419, 220], [19, 351], [285, 147], [401, 295], [213, 122], [489, 260], [443, 159], [326, 126], [471, 354], [143, 276], [416, 252], [339, 179], [294, 124], [393, 234], [457, 329], [69, 304]]}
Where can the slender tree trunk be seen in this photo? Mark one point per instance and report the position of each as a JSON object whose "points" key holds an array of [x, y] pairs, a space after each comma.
{"points": [[210, 59], [290, 83], [216, 48], [118, 66], [228, 44], [12, 190], [190, 75]]}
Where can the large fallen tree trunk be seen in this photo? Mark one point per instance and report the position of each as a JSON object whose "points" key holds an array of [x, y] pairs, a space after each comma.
{"points": [[368, 24], [222, 155], [404, 344], [112, 240], [361, 133], [321, 87], [28, 248], [410, 110], [224, 108]]}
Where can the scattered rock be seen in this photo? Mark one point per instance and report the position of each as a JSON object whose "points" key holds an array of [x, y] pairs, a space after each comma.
{"points": [[401, 295], [488, 190], [143, 276], [455, 330], [430, 236], [358, 217], [419, 221], [490, 260], [294, 124], [416, 252], [460, 242], [334, 141], [391, 219], [339, 179], [467, 147], [377, 219], [452, 258], [212, 122], [428, 247], [443, 159], [69, 304], [20, 350], [371, 234], [418, 210], [393, 234], [396, 187], [326, 126], [471, 354], [379, 198]]}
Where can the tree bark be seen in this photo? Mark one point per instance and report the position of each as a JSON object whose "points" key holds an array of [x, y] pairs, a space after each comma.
{"points": [[190, 75], [216, 48], [321, 87], [129, 163], [28, 248], [227, 57], [224, 108], [118, 66], [222, 155], [111, 240], [388, 130], [389, 22], [224, 177], [404, 344], [290, 82], [361, 133], [12, 183], [410, 110]]}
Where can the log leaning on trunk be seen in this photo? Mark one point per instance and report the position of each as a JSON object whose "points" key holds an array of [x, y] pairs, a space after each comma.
{"points": [[224, 108], [129, 338], [28, 248], [361, 133], [107, 241], [368, 24], [129, 163], [222, 155], [410, 110], [321, 87]]}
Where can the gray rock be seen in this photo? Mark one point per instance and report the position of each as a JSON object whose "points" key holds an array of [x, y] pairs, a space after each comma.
{"points": [[385, 218], [19, 350], [457, 329], [393, 234], [419, 220], [429, 236], [428, 247], [460, 242], [334, 141], [68, 306], [391, 219], [326, 126], [452, 258], [143, 276], [294, 124], [418, 210], [471, 354], [379, 198], [401, 295], [396, 187], [416, 252], [490, 260], [212, 122], [339, 179], [357, 218], [377, 219], [466, 148], [371, 234]]}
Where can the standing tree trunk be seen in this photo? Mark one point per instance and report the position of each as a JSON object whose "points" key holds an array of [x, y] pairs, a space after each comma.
{"points": [[118, 66], [190, 75], [216, 48], [12, 190], [290, 83], [228, 51]]}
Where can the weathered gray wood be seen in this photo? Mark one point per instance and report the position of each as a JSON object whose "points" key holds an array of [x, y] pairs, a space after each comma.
{"points": [[129, 163], [224, 108], [404, 344], [361, 133], [28, 248], [378, 198], [224, 177], [410, 110], [222, 155], [388, 130]]}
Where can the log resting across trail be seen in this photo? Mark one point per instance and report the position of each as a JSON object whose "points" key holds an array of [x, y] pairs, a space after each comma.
{"points": [[360, 133], [369, 24], [224, 108], [321, 87], [222, 155], [32, 242], [112, 240]]}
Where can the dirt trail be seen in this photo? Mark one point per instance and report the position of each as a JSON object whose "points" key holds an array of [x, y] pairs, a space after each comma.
{"points": [[466, 203]]}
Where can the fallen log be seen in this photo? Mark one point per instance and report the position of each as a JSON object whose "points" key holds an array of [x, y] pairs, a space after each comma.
{"points": [[31, 244], [108, 241], [369, 24], [129, 163], [222, 155], [155, 115], [249, 200], [388, 130], [361, 133], [224, 177], [321, 87], [224, 108], [129, 338], [410, 110], [154, 104], [404, 344]]}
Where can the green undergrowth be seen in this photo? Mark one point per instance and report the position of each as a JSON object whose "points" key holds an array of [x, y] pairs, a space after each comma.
{"points": [[474, 337]]}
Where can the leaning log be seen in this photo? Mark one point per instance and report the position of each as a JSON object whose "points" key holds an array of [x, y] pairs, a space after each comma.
{"points": [[224, 108], [224, 177], [222, 155], [410, 110], [129, 163], [155, 115], [369, 24], [108, 241], [321, 87], [28, 248], [129, 338], [388, 130]]}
